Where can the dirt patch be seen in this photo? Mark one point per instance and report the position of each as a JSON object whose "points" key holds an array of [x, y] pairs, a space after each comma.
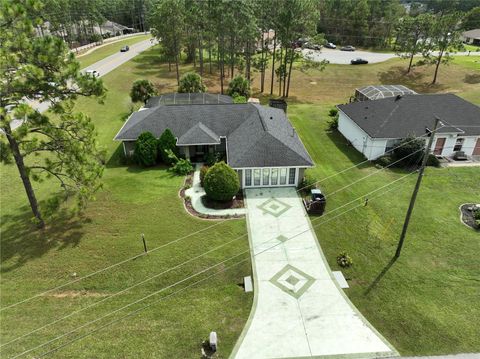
{"points": [[77, 294], [467, 215]]}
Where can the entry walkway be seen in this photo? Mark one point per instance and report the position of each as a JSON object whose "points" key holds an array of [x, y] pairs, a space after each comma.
{"points": [[299, 310]]}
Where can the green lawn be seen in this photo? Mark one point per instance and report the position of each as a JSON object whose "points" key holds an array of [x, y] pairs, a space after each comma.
{"points": [[424, 304], [133, 201], [109, 49]]}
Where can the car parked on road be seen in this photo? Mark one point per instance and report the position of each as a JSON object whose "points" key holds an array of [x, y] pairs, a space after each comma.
{"points": [[359, 61], [311, 46], [93, 73], [347, 48], [124, 49], [330, 45]]}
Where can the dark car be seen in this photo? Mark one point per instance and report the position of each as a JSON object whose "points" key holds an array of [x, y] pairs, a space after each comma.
{"points": [[124, 49], [348, 48], [330, 45], [359, 61]]}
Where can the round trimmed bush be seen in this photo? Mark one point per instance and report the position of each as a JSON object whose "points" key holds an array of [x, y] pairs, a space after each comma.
{"points": [[221, 182], [145, 152]]}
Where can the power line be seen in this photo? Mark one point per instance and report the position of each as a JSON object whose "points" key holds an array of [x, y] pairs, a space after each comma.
{"points": [[198, 273], [176, 240]]}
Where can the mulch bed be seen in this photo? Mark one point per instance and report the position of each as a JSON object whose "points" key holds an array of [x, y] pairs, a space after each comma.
{"points": [[467, 215], [188, 202], [237, 202]]}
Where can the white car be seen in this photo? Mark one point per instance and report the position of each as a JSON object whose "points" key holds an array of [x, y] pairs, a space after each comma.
{"points": [[93, 73], [331, 45]]}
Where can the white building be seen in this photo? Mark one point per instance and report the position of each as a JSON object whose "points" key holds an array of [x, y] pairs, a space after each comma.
{"points": [[374, 127]]}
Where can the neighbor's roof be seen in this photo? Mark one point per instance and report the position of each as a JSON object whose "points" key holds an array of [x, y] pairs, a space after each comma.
{"points": [[257, 136], [412, 114], [188, 99], [375, 92], [474, 34]]}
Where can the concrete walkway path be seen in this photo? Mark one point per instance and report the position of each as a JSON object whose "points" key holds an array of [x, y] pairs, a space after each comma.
{"points": [[196, 192], [299, 310]]}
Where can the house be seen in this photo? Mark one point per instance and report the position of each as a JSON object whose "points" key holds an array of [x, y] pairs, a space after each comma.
{"points": [[258, 142], [375, 92], [375, 127], [471, 37]]}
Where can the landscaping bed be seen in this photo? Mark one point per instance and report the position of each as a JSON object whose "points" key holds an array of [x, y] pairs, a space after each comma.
{"points": [[468, 215], [237, 202]]}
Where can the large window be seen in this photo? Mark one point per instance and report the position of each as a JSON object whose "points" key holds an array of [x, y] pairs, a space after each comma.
{"points": [[248, 177], [266, 176], [458, 144], [256, 177], [283, 176], [291, 176], [274, 181]]}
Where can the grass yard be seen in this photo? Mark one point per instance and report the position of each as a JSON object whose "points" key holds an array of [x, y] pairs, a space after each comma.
{"points": [[424, 303], [133, 201], [109, 49]]}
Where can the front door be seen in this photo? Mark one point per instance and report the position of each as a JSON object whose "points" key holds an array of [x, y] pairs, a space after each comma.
{"points": [[439, 146], [476, 150]]}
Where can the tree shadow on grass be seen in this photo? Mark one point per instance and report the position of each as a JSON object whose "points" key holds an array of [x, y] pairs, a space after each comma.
{"points": [[379, 277], [22, 241], [415, 80]]}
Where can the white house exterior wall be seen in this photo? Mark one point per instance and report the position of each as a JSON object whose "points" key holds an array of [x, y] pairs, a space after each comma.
{"points": [[450, 140], [370, 148]]}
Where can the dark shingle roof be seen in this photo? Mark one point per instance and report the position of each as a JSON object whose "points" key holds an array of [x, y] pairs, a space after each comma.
{"points": [[412, 114], [257, 136], [199, 135], [188, 99]]}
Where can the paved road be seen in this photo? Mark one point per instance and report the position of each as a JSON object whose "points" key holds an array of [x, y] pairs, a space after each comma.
{"points": [[104, 66], [335, 56], [299, 310]]}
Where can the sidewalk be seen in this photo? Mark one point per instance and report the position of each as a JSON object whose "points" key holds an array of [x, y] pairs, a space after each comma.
{"points": [[299, 310]]}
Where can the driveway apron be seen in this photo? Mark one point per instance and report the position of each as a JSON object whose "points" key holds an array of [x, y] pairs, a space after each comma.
{"points": [[299, 310]]}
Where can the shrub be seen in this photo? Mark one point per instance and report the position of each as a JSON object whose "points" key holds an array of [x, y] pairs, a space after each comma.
{"points": [[142, 90], [307, 183], [411, 147], [221, 182], [211, 158], [433, 161], [166, 142], [384, 161], [145, 152], [239, 86], [333, 121], [203, 172], [344, 260], [191, 82], [333, 112], [180, 166], [239, 99]]}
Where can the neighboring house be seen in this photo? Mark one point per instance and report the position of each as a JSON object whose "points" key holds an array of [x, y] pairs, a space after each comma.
{"points": [[375, 127], [376, 92], [257, 141], [471, 37]]}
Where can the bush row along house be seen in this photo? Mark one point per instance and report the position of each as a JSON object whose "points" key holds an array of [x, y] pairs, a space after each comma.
{"points": [[374, 124], [258, 142]]}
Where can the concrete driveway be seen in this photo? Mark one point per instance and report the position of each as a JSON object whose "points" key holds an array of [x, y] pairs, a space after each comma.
{"points": [[299, 310]]}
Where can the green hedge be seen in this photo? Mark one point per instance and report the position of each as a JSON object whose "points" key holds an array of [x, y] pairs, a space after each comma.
{"points": [[221, 182]]}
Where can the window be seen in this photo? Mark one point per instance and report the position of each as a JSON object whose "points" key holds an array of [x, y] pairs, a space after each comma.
{"points": [[266, 176], [390, 145], [248, 177], [458, 144], [283, 176], [291, 176], [256, 177], [274, 181]]}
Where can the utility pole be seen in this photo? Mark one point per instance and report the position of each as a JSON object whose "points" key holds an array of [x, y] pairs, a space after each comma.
{"points": [[417, 187]]}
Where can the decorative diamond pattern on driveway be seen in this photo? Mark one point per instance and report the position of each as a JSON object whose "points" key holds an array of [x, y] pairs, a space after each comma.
{"points": [[274, 207], [292, 281]]}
